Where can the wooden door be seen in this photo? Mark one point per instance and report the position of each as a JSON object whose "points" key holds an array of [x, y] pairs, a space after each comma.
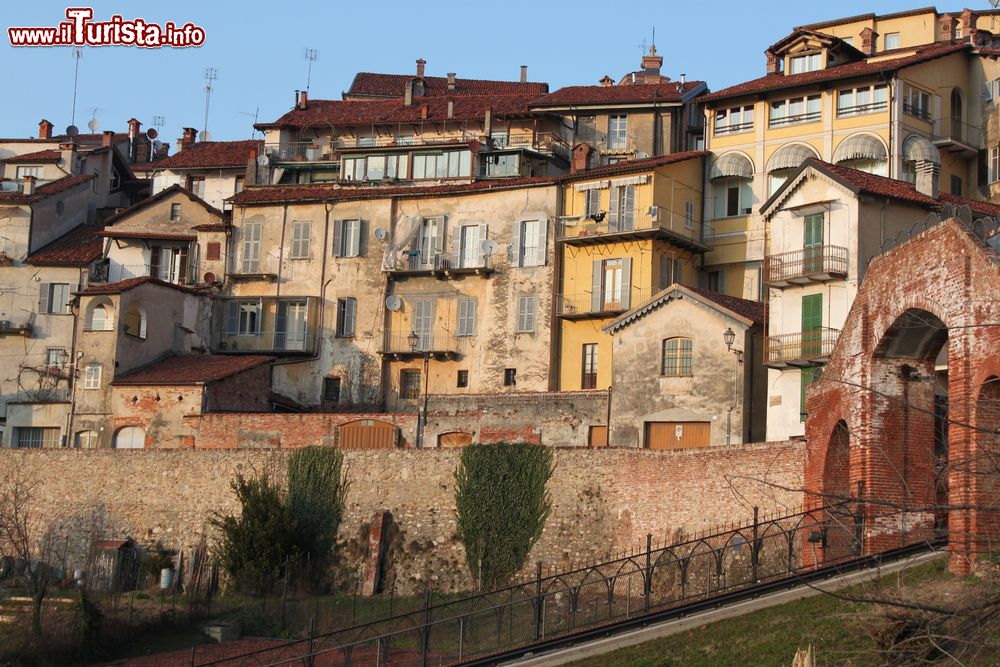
{"points": [[455, 439], [598, 436], [367, 434], [677, 435]]}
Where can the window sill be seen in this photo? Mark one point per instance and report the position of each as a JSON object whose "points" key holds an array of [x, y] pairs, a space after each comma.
{"points": [[300, 258], [676, 377]]}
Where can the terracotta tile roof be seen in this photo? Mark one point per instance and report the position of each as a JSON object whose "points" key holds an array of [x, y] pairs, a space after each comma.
{"points": [[43, 191], [752, 310], [48, 155], [855, 69], [78, 247], [627, 166], [394, 85], [211, 155], [366, 112], [160, 196], [672, 91], [192, 369], [131, 283], [268, 194]]}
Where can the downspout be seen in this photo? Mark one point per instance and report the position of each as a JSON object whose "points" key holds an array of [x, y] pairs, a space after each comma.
{"points": [[384, 378], [555, 323], [73, 370], [281, 249]]}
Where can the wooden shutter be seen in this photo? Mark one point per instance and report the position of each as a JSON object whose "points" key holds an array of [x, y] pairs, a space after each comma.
{"points": [[154, 261], [629, 213], [43, 298], [338, 238], [812, 231], [233, 317], [596, 283], [455, 251], [280, 320], [626, 283], [541, 248], [439, 233], [362, 238], [214, 251], [812, 312], [350, 315], [515, 244], [613, 208], [183, 277]]}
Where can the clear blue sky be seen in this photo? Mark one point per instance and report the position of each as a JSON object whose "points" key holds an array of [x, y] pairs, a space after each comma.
{"points": [[258, 48]]}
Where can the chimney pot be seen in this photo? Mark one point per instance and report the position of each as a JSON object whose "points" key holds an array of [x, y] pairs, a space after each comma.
{"points": [[524, 74], [28, 186], [869, 40], [420, 67], [451, 108], [44, 129], [296, 105], [451, 81], [107, 137], [133, 127], [581, 158], [424, 111], [408, 93], [68, 156], [928, 178], [189, 137], [303, 99]]}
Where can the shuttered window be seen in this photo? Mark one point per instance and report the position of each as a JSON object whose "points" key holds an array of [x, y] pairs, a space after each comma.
{"points": [[466, 317], [214, 251], [529, 244], [300, 239], [618, 132], [346, 316], [526, 314], [53, 298], [621, 217], [251, 247], [92, 376], [593, 203], [349, 238]]}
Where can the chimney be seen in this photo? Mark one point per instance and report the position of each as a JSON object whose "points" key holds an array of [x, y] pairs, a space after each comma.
{"points": [[190, 136], [773, 62], [651, 64], [44, 129], [68, 157], [967, 22], [250, 177], [581, 158], [488, 122], [133, 127], [451, 81], [164, 151], [947, 26], [408, 93], [420, 67], [28, 185], [424, 111], [296, 105], [524, 74], [303, 99], [108, 136], [451, 108], [928, 178], [869, 41]]}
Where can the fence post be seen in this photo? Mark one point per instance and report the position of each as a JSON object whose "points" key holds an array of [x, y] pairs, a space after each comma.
{"points": [[426, 632], [755, 547], [194, 649], [311, 660], [538, 601], [647, 580]]}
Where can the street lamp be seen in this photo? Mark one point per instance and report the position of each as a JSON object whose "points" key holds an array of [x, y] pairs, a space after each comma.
{"points": [[414, 339], [729, 336]]}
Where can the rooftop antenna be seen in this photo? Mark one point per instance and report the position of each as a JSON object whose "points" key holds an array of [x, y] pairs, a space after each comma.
{"points": [[77, 54], [253, 130], [158, 122], [93, 125], [211, 74], [311, 55]]}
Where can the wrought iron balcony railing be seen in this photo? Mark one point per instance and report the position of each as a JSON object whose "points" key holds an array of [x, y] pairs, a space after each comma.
{"points": [[800, 267], [678, 227], [803, 348], [611, 302]]}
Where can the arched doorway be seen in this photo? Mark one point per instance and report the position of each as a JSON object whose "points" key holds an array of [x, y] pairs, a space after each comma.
{"points": [[987, 458], [367, 434], [842, 537], [130, 437]]}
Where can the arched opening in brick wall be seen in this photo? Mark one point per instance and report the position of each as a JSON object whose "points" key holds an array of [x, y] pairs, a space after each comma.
{"points": [[987, 461], [367, 434], [908, 454], [841, 538]]}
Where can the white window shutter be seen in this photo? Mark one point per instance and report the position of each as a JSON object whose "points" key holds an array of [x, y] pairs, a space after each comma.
{"points": [[627, 283], [338, 238], [515, 244], [596, 283], [43, 298], [542, 244]]}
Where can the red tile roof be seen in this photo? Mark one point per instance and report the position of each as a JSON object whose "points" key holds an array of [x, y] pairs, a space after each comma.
{"points": [[48, 155], [752, 310], [211, 155], [269, 194], [672, 91], [159, 196], [192, 369], [850, 70], [43, 191], [628, 166], [324, 113], [131, 283], [78, 247], [394, 85]]}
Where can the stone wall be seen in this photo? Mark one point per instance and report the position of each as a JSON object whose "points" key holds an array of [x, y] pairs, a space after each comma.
{"points": [[604, 501]]}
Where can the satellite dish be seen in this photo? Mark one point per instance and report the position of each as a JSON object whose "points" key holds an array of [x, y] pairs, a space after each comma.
{"points": [[72, 131], [380, 234], [209, 277], [205, 136], [151, 133], [157, 144], [641, 155], [263, 160], [93, 125], [393, 302], [489, 247]]}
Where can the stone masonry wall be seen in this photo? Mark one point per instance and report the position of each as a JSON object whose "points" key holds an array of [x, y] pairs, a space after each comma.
{"points": [[604, 501]]}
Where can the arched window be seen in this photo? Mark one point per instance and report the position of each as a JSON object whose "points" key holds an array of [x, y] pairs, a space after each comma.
{"points": [[785, 161], [85, 440], [732, 180], [100, 319], [917, 149], [135, 321], [864, 152], [130, 437], [677, 357]]}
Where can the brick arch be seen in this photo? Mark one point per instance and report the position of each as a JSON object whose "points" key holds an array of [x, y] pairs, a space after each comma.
{"points": [[881, 382], [986, 464]]}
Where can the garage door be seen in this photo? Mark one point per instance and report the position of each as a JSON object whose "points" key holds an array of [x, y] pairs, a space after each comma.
{"points": [[455, 439], [130, 437], [677, 435], [368, 434]]}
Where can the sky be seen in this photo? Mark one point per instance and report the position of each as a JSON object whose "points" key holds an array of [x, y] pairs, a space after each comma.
{"points": [[258, 51]]}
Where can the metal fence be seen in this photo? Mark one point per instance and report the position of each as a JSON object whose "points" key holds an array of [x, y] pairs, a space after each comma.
{"points": [[548, 606]]}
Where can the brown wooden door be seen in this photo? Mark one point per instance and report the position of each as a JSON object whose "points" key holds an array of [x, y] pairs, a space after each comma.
{"points": [[598, 436], [455, 439], [677, 435], [368, 434]]}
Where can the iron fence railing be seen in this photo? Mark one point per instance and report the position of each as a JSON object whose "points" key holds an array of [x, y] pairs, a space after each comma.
{"points": [[801, 347], [268, 341], [952, 130], [605, 303], [681, 226], [114, 273], [431, 341], [820, 262], [917, 111], [548, 606], [414, 262]]}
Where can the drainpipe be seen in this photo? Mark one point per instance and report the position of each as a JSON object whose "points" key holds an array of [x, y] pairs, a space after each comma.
{"points": [[73, 365], [281, 249]]}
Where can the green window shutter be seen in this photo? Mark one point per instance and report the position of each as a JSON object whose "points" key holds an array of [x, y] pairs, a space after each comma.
{"points": [[813, 230], [812, 312], [807, 377]]}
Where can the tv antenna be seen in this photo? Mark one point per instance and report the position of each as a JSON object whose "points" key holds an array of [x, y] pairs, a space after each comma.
{"points": [[77, 54], [159, 121], [93, 125], [253, 130], [211, 74], [311, 55]]}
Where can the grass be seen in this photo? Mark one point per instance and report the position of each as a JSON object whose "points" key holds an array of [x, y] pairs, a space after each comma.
{"points": [[838, 630]]}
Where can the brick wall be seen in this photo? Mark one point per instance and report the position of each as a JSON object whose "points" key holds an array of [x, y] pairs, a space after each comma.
{"points": [[285, 431], [604, 501]]}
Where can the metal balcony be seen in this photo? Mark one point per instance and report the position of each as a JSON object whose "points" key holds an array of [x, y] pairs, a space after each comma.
{"points": [[436, 345], [953, 136], [585, 305], [819, 264], [801, 349], [262, 268], [115, 273], [267, 342], [654, 222], [441, 265]]}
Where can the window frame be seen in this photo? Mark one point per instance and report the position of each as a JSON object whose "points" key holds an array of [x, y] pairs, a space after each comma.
{"points": [[730, 115], [92, 376], [332, 382], [588, 366], [677, 357], [462, 379], [874, 105], [347, 314], [510, 377], [527, 309], [175, 212], [301, 245], [196, 185], [409, 384], [813, 62], [806, 113], [617, 131], [466, 321]]}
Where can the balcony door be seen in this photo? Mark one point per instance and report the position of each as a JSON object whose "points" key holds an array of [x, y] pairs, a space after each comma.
{"points": [[428, 243], [622, 214], [290, 326], [169, 264], [812, 243], [613, 273], [471, 254], [423, 320], [812, 325]]}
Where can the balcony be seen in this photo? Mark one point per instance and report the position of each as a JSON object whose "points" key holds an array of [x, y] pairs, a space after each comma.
{"points": [[436, 345], [917, 111], [303, 151], [810, 265], [584, 305], [329, 151], [264, 268], [42, 395], [115, 273], [800, 349], [733, 128], [654, 222], [954, 136], [11, 328], [441, 265], [548, 143], [267, 342], [795, 119]]}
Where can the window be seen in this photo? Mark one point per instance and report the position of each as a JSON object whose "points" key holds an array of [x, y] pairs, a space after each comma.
{"points": [[586, 129], [808, 376], [677, 357], [243, 318], [796, 110], [405, 140], [214, 251], [251, 247], [622, 214], [526, 314], [689, 215], [239, 183], [463, 380], [592, 205], [53, 298], [449, 164], [196, 184], [331, 390], [891, 41], [528, 248], [733, 196], [496, 165], [510, 377], [374, 167], [734, 121], [716, 281], [613, 285], [54, 357], [169, 264], [468, 251], [617, 132], [992, 90], [300, 239], [348, 237], [92, 376], [409, 384], [175, 212], [33, 437], [21, 172], [917, 103], [956, 185], [993, 166], [466, 318], [589, 378], [135, 322], [346, 315], [85, 440], [100, 319], [500, 139], [807, 63], [862, 100]]}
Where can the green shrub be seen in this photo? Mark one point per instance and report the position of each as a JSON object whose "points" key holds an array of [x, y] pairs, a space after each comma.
{"points": [[502, 506], [316, 497]]}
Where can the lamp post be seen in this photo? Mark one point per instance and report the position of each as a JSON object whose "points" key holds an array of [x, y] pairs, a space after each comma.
{"points": [[414, 339], [729, 336]]}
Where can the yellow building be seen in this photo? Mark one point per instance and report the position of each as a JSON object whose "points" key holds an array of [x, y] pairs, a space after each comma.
{"points": [[628, 231]]}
